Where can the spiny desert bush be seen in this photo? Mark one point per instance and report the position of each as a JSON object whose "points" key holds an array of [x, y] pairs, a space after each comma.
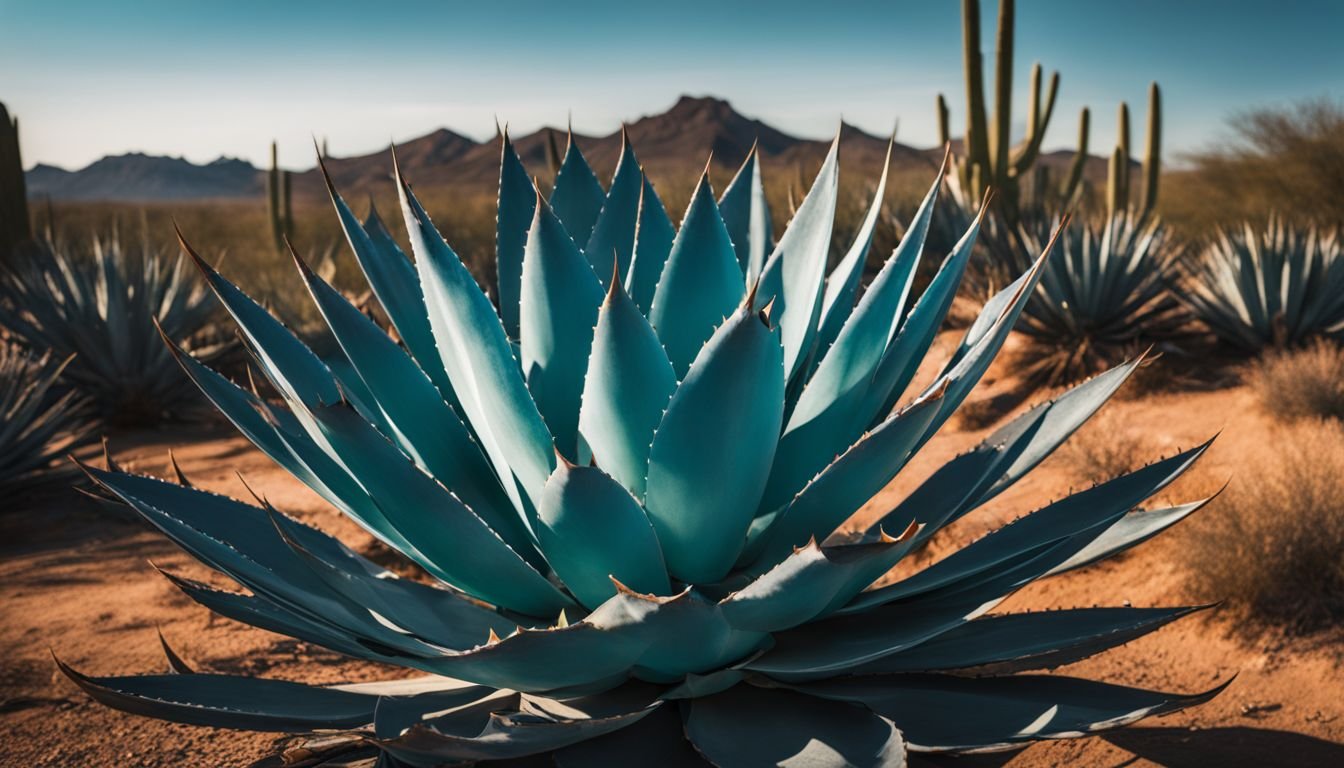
{"points": [[37, 424], [101, 309], [1303, 383], [1271, 545], [1273, 286], [622, 483]]}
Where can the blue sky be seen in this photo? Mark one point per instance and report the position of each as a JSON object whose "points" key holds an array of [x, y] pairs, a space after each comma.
{"points": [[203, 79]]}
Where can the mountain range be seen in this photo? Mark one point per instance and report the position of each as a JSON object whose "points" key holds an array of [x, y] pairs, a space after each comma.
{"points": [[667, 143]]}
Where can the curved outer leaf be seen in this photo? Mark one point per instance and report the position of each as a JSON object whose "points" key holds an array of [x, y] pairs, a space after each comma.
{"points": [[227, 701], [480, 363], [747, 216], [577, 196], [593, 531], [653, 242], [517, 201], [809, 583], [459, 547], [560, 300], [1020, 642], [748, 726], [904, 353], [287, 362], [422, 424], [794, 273], [1067, 517], [1008, 710], [1129, 531], [487, 735], [701, 283], [394, 282], [830, 409], [840, 489], [629, 384], [712, 452], [843, 283], [613, 238]]}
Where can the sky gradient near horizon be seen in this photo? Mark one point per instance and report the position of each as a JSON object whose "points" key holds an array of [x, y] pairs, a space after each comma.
{"points": [[200, 80]]}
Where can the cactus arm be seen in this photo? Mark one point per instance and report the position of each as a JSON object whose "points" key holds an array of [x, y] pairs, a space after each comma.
{"points": [[1152, 159], [1003, 94], [1040, 121], [15, 225], [977, 136], [944, 131], [1079, 159]]}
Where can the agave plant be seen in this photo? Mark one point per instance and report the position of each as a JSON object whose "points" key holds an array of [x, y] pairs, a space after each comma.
{"points": [[1105, 291], [1276, 286], [629, 489], [38, 424], [102, 310]]}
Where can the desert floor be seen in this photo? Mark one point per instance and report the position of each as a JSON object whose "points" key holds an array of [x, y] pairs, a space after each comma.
{"points": [[75, 579]]}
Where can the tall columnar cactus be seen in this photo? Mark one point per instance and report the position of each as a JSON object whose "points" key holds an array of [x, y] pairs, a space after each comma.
{"points": [[278, 203], [1119, 185], [989, 159], [14, 223]]}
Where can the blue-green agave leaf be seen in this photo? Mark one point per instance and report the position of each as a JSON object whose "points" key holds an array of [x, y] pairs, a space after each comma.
{"points": [[1131, 530], [422, 424], [561, 296], [844, 486], [592, 531], [517, 200], [480, 362], [830, 409], [701, 283], [843, 283], [712, 452], [654, 234], [288, 362], [809, 583], [1069, 516], [1021, 642], [906, 351], [577, 196], [668, 658], [613, 238], [629, 384], [795, 273], [228, 701], [392, 277], [756, 727], [747, 216], [1008, 710], [457, 545]]}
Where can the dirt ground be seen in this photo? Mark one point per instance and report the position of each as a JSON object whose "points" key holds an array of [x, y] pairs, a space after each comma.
{"points": [[75, 580]]}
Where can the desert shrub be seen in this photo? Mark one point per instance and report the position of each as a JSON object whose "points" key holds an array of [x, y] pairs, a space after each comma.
{"points": [[1302, 383], [1103, 449], [1272, 546]]}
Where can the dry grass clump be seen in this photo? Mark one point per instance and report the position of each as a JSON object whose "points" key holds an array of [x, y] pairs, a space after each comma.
{"points": [[1105, 448], [1272, 545], [1303, 383]]}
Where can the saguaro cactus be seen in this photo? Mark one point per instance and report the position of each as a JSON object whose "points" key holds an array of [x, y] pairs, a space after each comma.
{"points": [[989, 159], [1119, 189], [278, 202], [15, 227]]}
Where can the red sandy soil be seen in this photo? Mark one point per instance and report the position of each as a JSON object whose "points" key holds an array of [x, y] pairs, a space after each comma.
{"points": [[74, 578]]}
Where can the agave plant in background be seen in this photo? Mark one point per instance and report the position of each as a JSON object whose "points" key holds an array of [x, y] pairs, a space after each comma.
{"points": [[38, 424], [1278, 286], [626, 487], [101, 308], [1105, 292]]}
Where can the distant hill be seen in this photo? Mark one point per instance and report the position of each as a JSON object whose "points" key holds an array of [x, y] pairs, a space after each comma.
{"points": [[675, 142], [140, 177]]}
